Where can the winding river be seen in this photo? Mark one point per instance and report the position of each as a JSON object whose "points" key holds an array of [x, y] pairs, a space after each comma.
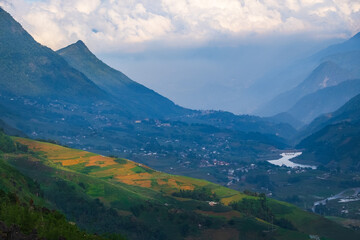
{"points": [[285, 161], [344, 197]]}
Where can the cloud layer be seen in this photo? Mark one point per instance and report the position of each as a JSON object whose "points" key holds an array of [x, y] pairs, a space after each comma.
{"points": [[131, 25]]}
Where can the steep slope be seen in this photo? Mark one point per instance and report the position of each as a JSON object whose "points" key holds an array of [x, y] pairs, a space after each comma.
{"points": [[324, 101], [20, 218], [335, 146], [325, 75], [120, 195], [335, 64], [136, 98], [286, 118], [353, 44], [349, 112], [32, 70], [24, 213], [347, 60], [143, 102], [332, 139], [10, 130]]}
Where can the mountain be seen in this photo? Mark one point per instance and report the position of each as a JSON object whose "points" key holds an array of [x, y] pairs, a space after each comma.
{"points": [[32, 70], [324, 100], [96, 120], [136, 98], [111, 195], [325, 75], [334, 64], [335, 146], [332, 139], [286, 118], [144, 102], [349, 112], [243, 123], [352, 44], [275, 83], [10, 130]]}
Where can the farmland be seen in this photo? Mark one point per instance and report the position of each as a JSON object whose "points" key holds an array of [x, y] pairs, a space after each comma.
{"points": [[114, 195]]}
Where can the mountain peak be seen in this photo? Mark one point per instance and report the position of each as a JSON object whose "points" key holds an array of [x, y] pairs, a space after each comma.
{"points": [[32, 70], [79, 46], [78, 50], [356, 37], [80, 43]]}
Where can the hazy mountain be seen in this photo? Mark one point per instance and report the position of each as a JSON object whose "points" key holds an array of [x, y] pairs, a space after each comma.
{"points": [[324, 101], [276, 82], [336, 63], [333, 139], [244, 123], [353, 44], [271, 85], [132, 96], [286, 118], [128, 121], [349, 112], [325, 75]]}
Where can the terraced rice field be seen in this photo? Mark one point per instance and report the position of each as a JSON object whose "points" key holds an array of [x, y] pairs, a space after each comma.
{"points": [[123, 170]]}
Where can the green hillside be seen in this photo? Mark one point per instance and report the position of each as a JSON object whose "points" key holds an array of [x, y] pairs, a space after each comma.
{"points": [[29, 69], [24, 213], [335, 146], [349, 112], [109, 195]]}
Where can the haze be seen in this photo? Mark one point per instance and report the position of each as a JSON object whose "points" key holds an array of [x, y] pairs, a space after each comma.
{"points": [[200, 54]]}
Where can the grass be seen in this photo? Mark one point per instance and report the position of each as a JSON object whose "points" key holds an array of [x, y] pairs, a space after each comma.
{"points": [[124, 171], [124, 184]]}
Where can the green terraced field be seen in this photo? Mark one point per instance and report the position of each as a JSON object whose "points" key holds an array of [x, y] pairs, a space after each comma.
{"points": [[108, 195]]}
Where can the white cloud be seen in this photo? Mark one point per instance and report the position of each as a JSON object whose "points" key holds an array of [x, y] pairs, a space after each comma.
{"points": [[87, 6], [109, 25]]}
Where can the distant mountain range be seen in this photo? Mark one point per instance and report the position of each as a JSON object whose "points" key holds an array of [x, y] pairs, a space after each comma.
{"points": [[349, 112], [324, 100], [73, 98], [333, 139], [337, 64]]}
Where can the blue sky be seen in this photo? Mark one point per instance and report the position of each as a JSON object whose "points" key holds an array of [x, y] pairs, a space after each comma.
{"points": [[199, 53]]}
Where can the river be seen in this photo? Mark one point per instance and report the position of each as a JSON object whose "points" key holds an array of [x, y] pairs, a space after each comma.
{"points": [[285, 160], [344, 197]]}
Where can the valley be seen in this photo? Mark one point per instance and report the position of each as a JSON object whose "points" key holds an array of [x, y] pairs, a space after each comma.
{"points": [[112, 195], [285, 160], [88, 153]]}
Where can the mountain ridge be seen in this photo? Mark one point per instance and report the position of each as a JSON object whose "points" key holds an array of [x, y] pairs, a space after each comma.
{"points": [[30, 69], [325, 100], [326, 74], [340, 60], [332, 139], [132, 96]]}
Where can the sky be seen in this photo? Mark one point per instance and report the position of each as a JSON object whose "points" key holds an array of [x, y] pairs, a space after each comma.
{"points": [[202, 54]]}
